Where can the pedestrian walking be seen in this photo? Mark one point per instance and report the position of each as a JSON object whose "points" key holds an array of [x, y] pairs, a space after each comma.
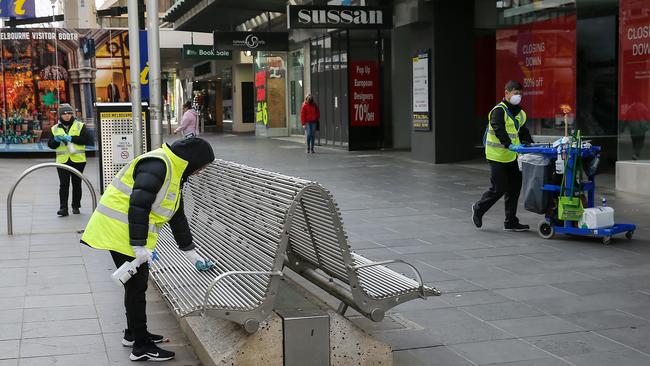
{"points": [[69, 139], [309, 117], [505, 131], [144, 196], [190, 123]]}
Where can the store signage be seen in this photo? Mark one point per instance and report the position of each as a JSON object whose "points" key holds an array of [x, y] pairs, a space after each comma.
{"points": [[19, 9], [196, 52], [421, 115], [542, 56], [251, 41], [123, 151], [261, 110], [144, 66], [349, 17], [634, 63], [364, 93]]}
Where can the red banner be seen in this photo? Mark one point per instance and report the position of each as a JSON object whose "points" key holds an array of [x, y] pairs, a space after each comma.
{"points": [[542, 56], [364, 93], [634, 61]]}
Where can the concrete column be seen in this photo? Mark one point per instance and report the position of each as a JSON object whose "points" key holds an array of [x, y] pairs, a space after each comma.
{"points": [[155, 100], [134, 58], [80, 14]]}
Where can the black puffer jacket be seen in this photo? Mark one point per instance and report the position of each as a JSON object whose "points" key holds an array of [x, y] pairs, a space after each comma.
{"points": [[84, 137], [149, 176]]}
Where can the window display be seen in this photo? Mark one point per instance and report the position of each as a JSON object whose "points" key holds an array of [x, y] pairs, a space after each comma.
{"points": [[41, 68]]}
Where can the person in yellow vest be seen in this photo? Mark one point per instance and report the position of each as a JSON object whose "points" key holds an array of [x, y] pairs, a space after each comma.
{"points": [[505, 131], [143, 196], [69, 140]]}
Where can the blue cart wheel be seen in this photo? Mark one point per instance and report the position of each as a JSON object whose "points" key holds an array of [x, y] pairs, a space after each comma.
{"points": [[607, 240], [545, 230], [629, 234]]}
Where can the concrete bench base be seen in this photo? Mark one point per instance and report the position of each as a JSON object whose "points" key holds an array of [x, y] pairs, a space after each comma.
{"points": [[633, 176], [221, 342]]}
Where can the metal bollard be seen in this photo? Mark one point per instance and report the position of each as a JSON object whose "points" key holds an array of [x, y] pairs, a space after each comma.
{"points": [[306, 336], [10, 196]]}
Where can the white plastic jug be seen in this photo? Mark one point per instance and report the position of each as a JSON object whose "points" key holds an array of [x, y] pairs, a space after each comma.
{"points": [[597, 218]]}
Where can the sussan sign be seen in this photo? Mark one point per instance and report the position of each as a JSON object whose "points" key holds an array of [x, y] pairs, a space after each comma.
{"points": [[348, 17]]}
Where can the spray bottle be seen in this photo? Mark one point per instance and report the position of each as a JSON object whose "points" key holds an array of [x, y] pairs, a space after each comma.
{"points": [[127, 270]]}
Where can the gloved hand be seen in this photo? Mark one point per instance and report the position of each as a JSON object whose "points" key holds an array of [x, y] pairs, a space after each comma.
{"points": [[512, 147], [142, 255], [200, 263], [66, 138]]}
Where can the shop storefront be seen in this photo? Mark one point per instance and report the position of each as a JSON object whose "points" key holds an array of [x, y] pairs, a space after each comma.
{"points": [[42, 68], [349, 66]]}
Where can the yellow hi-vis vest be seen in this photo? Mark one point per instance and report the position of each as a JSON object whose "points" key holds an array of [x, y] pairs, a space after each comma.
{"points": [[494, 149], [62, 153], [108, 227]]}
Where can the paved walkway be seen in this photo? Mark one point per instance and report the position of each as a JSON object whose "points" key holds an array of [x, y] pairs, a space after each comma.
{"points": [[509, 298], [58, 305]]}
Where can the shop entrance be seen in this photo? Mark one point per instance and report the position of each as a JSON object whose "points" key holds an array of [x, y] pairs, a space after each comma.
{"points": [[346, 85], [208, 100], [296, 90]]}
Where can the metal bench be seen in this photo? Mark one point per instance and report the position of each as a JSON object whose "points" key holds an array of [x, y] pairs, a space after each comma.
{"points": [[318, 250], [253, 222], [240, 217]]}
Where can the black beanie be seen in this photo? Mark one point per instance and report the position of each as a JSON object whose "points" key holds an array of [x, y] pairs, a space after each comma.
{"points": [[196, 151]]}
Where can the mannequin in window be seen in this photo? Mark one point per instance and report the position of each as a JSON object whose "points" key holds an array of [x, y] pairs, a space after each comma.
{"points": [[113, 92]]}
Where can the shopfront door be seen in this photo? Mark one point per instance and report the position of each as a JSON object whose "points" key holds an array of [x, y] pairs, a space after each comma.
{"points": [[329, 85], [296, 90]]}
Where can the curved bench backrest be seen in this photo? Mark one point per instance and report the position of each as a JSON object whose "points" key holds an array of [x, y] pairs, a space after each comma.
{"points": [[238, 213], [317, 236]]}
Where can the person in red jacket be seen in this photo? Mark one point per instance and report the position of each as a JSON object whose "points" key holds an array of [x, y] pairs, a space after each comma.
{"points": [[309, 116]]}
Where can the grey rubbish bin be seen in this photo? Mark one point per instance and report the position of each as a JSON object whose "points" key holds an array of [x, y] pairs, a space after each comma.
{"points": [[535, 173]]}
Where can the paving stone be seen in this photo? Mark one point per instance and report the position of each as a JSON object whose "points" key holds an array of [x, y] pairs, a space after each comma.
{"points": [[506, 350], [57, 300], [537, 362], [635, 337], [603, 301], [531, 292], [9, 303], [10, 331], [570, 344], [474, 298], [54, 346], [70, 327], [96, 359], [13, 291], [431, 356], [7, 362], [13, 263], [605, 319], [502, 310], [11, 316], [619, 358], [452, 326], [539, 325], [9, 349], [640, 311], [48, 314], [53, 288]]}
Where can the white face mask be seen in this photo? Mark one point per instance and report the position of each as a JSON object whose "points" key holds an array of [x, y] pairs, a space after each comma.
{"points": [[515, 99]]}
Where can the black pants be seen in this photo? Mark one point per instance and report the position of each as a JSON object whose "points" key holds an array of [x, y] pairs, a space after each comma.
{"points": [[506, 181], [64, 185], [135, 300]]}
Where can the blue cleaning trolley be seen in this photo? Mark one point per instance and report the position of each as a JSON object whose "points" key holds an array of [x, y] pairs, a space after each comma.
{"points": [[551, 224]]}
